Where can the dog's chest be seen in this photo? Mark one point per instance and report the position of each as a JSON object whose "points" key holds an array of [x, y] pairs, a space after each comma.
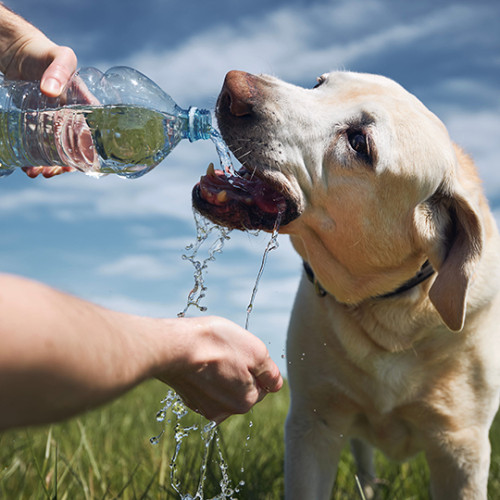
{"points": [[395, 379], [393, 384]]}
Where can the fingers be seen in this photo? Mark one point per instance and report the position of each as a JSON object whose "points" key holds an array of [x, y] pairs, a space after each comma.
{"points": [[46, 171], [268, 378], [57, 74]]}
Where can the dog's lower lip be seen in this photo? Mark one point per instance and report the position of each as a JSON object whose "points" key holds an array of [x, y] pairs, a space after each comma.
{"points": [[240, 201]]}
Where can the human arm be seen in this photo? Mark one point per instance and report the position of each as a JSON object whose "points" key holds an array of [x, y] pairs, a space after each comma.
{"points": [[60, 355], [27, 54]]}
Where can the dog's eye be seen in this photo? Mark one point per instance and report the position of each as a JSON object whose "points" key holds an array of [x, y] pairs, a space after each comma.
{"points": [[359, 143]]}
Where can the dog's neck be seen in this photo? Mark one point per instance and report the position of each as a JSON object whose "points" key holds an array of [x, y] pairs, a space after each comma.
{"points": [[425, 272]]}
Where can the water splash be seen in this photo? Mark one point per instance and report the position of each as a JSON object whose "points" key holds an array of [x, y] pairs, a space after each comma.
{"points": [[173, 402], [204, 230], [210, 436], [271, 245]]}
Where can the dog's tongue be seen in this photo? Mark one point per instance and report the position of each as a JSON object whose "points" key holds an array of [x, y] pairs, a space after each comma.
{"points": [[219, 189]]}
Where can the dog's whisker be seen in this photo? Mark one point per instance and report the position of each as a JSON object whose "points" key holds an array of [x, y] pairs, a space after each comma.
{"points": [[244, 154]]}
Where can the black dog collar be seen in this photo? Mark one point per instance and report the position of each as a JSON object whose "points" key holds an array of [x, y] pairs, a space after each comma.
{"points": [[426, 271]]}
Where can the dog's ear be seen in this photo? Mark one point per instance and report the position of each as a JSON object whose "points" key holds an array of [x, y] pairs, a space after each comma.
{"points": [[448, 293]]}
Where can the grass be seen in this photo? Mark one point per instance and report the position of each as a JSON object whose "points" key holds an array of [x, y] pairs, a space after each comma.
{"points": [[106, 454]]}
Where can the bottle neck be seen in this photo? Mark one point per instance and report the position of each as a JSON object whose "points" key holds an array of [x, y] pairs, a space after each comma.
{"points": [[199, 124]]}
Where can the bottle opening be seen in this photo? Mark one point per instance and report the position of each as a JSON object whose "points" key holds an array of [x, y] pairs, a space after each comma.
{"points": [[199, 124]]}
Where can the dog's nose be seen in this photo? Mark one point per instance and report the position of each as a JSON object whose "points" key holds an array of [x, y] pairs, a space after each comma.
{"points": [[239, 88]]}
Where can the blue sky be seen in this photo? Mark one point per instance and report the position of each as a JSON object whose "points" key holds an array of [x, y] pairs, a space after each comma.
{"points": [[119, 242]]}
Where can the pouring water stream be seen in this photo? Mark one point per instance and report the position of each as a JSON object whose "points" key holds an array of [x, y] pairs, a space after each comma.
{"points": [[173, 402]]}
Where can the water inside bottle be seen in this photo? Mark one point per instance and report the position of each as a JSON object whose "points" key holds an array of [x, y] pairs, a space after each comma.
{"points": [[132, 139], [123, 139]]}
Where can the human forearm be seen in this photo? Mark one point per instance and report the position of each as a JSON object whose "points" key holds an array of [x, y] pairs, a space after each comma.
{"points": [[60, 355]]}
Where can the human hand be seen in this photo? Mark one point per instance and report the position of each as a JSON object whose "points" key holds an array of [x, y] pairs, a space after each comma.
{"points": [[219, 368], [30, 55], [27, 54], [41, 59]]}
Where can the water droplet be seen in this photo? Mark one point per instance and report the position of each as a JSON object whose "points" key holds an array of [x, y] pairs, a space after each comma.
{"points": [[210, 426], [156, 439], [160, 416]]}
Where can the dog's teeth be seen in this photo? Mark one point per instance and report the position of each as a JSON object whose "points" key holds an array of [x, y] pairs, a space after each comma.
{"points": [[211, 170], [222, 196]]}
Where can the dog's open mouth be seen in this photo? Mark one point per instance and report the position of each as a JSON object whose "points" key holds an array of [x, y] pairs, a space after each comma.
{"points": [[243, 200]]}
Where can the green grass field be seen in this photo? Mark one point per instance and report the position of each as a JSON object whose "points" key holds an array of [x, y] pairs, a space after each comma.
{"points": [[106, 454]]}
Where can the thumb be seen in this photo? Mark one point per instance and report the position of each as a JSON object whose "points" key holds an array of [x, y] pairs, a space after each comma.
{"points": [[58, 73]]}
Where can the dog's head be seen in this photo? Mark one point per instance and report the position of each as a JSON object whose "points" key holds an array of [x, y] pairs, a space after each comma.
{"points": [[364, 177]]}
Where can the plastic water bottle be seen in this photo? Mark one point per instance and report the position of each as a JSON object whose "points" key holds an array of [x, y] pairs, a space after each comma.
{"points": [[117, 122]]}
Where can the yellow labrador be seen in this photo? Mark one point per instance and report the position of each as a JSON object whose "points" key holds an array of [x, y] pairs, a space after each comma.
{"points": [[394, 338]]}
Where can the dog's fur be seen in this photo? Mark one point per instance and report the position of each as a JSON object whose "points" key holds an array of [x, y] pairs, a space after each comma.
{"points": [[380, 189]]}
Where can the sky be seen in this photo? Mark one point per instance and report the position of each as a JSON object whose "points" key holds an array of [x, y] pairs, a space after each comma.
{"points": [[119, 242]]}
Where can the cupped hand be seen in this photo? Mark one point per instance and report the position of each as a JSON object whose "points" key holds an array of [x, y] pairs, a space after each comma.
{"points": [[219, 369]]}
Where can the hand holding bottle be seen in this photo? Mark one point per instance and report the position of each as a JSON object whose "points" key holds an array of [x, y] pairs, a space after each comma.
{"points": [[125, 123], [27, 54]]}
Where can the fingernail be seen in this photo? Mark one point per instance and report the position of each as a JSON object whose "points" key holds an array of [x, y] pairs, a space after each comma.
{"points": [[51, 87]]}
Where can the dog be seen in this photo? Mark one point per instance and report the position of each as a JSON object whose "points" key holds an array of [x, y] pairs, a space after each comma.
{"points": [[394, 336]]}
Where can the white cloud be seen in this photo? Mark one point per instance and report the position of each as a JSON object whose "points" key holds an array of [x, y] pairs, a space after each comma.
{"points": [[295, 43], [139, 267], [14, 200]]}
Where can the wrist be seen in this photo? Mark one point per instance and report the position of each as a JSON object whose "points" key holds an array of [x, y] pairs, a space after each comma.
{"points": [[12, 28], [168, 341], [15, 33]]}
